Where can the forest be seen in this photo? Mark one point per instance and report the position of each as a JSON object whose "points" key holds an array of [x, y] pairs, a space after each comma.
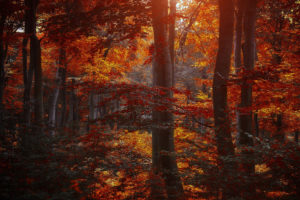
{"points": [[149, 99]]}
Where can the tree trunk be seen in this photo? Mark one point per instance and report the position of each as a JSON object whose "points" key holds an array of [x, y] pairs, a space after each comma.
{"points": [[221, 113], [164, 159], [53, 105], [239, 16], [93, 108], [238, 35], [246, 119], [172, 35], [63, 97], [279, 135], [2, 74], [30, 32], [30, 26], [54, 100], [35, 57], [73, 118], [27, 77]]}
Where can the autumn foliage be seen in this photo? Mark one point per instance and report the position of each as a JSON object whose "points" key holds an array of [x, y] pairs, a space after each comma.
{"points": [[96, 104]]}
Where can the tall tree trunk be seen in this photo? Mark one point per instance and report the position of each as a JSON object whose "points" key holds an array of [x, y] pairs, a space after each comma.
{"points": [[164, 159], [221, 113], [63, 97], [2, 73], [246, 119], [73, 118], [277, 59], [238, 35], [172, 35], [27, 78], [35, 57], [53, 105], [30, 31], [54, 100], [239, 16]]}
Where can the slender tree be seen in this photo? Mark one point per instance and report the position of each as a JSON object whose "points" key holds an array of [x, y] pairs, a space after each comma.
{"points": [[28, 72], [246, 118], [35, 70], [239, 16], [163, 156], [3, 51], [221, 113], [172, 35], [56, 92]]}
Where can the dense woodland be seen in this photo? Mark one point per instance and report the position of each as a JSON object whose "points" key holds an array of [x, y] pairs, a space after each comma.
{"points": [[149, 99]]}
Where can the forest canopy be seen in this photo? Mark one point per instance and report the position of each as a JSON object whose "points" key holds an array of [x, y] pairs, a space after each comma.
{"points": [[149, 99]]}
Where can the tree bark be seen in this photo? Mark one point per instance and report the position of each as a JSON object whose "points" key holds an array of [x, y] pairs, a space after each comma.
{"points": [[2, 73], [63, 97], [73, 115], [53, 103], [246, 118], [164, 159], [221, 113], [30, 32], [30, 25], [239, 16], [35, 57], [279, 135], [238, 35], [172, 35]]}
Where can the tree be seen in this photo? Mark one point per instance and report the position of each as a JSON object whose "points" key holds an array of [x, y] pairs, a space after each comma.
{"points": [[220, 105], [246, 118], [3, 50], [35, 69], [163, 151]]}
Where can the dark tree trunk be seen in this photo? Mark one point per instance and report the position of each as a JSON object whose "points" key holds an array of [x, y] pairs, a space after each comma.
{"points": [[239, 16], [238, 35], [27, 77], [279, 135], [30, 32], [221, 113], [172, 35], [63, 97], [73, 115], [246, 118], [27, 73], [164, 159], [35, 57], [2, 73]]}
